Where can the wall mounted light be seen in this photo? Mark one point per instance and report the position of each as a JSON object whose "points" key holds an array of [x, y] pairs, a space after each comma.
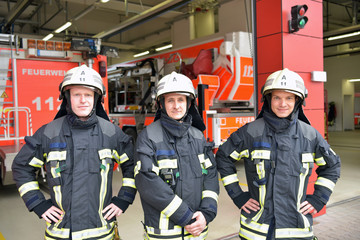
{"points": [[63, 27], [163, 47], [354, 80], [48, 37], [343, 36], [142, 54]]}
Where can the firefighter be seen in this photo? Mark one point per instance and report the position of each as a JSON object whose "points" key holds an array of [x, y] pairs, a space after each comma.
{"points": [[279, 150], [78, 149], [176, 173]]}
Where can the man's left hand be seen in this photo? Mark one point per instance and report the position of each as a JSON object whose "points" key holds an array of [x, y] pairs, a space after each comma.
{"points": [[111, 211], [198, 226]]}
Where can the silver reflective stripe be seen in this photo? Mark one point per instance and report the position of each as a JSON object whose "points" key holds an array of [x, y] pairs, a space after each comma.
{"points": [[93, 233], [301, 191], [210, 194], [237, 156], [165, 232], [155, 169], [105, 153], [263, 228], [137, 168], [56, 232], [260, 154], [128, 182], [123, 158], [167, 163], [163, 221], [307, 157], [320, 161], [250, 235], [56, 156], [30, 186], [293, 233], [230, 179], [325, 183], [103, 189], [172, 207], [205, 163], [35, 162]]}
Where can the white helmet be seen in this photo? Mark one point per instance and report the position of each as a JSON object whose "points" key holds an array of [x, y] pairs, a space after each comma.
{"points": [[175, 83], [83, 76], [286, 80]]}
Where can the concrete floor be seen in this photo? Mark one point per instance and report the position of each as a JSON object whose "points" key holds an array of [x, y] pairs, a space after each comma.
{"points": [[17, 223]]}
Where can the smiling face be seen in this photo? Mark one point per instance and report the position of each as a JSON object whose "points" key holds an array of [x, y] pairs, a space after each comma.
{"points": [[282, 103], [175, 105], [82, 101]]}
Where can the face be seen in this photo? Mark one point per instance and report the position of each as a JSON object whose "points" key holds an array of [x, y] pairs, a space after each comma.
{"points": [[282, 103], [175, 105], [82, 101]]}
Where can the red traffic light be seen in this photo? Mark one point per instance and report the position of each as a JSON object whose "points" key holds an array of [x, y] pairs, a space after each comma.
{"points": [[298, 18]]}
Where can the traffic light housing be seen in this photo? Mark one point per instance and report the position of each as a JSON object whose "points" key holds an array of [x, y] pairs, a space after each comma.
{"points": [[298, 18]]}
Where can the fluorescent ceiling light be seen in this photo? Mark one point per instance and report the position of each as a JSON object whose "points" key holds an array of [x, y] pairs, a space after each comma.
{"points": [[354, 80], [63, 27], [163, 47], [48, 37], [142, 54], [104, 1], [344, 36]]}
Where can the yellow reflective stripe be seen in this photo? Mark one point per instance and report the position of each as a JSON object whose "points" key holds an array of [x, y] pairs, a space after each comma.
{"points": [[163, 221], [155, 169], [172, 207], [263, 228], [307, 157], [320, 161], [164, 232], [325, 183], [293, 233], [35, 162], [63, 233], [94, 232], [128, 182], [53, 171], [250, 235], [123, 158], [105, 153], [167, 163], [202, 235], [301, 191], [260, 169], [27, 187], [103, 189], [210, 194], [237, 156], [260, 154], [230, 179], [58, 199], [56, 156]]}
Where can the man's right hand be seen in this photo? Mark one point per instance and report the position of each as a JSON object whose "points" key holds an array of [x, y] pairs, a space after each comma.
{"points": [[251, 204], [53, 214]]}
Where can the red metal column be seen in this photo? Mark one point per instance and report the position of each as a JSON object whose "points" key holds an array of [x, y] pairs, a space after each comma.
{"points": [[301, 52]]}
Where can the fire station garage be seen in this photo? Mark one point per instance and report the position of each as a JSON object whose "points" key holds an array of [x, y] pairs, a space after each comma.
{"points": [[227, 48]]}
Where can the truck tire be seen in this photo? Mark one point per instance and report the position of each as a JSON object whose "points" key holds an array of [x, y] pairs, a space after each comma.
{"points": [[132, 133]]}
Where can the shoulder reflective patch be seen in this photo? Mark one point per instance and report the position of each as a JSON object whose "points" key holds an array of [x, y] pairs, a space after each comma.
{"points": [[260, 154], [237, 156]]}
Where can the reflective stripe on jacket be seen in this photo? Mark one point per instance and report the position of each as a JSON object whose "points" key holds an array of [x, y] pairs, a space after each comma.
{"points": [[278, 167]]}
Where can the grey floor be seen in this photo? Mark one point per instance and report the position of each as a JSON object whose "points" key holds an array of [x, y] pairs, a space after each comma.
{"points": [[16, 223]]}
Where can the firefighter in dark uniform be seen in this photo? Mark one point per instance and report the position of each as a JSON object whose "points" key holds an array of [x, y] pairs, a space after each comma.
{"points": [[175, 172], [78, 149], [279, 150]]}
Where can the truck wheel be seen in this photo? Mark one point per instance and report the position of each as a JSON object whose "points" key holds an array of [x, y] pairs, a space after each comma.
{"points": [[132, 133]]}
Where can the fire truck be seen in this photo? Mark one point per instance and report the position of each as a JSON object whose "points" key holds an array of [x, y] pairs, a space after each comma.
{"points": [[30, 73], [222, 74]]}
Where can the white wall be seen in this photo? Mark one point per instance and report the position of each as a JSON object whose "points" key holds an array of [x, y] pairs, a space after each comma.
{"points": [[339, 69]]}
